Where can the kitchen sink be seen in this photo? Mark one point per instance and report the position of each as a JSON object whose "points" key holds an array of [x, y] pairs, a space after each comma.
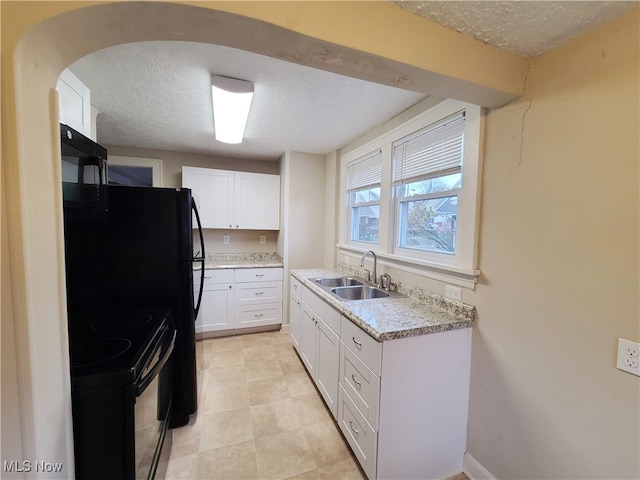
{"points": [[337, 281], [359, 292]]}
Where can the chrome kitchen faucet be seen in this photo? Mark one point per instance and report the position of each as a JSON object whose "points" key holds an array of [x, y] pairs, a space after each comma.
{"points": [[375, 264]]}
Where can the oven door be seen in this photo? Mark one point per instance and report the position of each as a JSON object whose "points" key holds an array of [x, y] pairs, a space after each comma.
{"points": [[152, 407]]}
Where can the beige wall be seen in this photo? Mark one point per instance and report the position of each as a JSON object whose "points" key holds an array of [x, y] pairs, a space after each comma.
{"points": [[559, 254], [306, 210], [302, 227], [244, 241]]}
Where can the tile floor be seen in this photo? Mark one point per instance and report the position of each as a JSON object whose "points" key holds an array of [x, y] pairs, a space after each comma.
{"points": [[259, 416]]}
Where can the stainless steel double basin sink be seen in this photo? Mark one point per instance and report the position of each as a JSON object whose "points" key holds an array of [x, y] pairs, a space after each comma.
{"points": [[350, 288]]}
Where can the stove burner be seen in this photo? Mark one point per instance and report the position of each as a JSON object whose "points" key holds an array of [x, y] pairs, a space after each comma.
{"points": [[95, 352], [121, 321]]}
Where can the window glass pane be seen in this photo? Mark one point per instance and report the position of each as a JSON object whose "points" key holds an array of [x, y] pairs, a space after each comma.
{"points": [[364, 223], [431, 185], [429, 224], [364, 196], [128, 175]]}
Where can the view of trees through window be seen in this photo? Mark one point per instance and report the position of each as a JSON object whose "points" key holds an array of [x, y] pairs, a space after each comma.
{"points": [[428, 221]]}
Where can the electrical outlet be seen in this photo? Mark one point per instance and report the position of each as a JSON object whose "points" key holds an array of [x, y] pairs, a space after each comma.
{"points": [[225, 239], [628, 356], [453, 293], [263, 239]]}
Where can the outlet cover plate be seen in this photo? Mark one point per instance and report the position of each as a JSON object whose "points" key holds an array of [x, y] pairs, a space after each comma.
{"points": [[628, 356], [453, 293]]}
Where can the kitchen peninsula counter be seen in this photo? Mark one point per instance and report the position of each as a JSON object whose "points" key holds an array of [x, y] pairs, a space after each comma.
{"points": [[417, 313]]}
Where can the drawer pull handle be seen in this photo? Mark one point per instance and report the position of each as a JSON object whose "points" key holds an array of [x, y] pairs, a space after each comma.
{"points": [[358, 344], [356, 381], [259, 293], [258, 315], [259, 274], [353, 429]]}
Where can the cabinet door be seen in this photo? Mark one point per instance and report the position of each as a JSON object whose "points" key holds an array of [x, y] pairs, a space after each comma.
{"points": [[256, 201], [328, 366], [295, 319], [212, 191], [308, 340], [216, 309], [75, 103]]}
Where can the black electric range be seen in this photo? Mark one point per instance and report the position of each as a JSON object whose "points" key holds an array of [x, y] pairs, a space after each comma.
{"points": [[121, 378]]}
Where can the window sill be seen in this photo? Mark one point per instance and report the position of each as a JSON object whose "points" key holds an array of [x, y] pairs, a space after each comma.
{"points": [[453, 275]]}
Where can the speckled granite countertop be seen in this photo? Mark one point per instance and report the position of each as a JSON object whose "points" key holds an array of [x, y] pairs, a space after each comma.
{"points": [[241, 260], [419, 313]]}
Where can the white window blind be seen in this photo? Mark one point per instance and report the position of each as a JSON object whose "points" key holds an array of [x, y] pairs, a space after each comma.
{"points": [[366, 172], [434, 151]]}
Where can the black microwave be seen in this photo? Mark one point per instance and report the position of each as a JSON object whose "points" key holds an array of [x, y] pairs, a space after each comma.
{"points": [[84, 175]]}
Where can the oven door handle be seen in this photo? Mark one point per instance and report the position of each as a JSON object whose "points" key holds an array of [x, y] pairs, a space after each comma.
{"points": [[148, 378]]}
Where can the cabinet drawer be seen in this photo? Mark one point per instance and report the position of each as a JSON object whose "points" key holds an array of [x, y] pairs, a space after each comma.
{"points": [[362, 439], [361, 384], [326, 312], [258, 293], [360, 343], [214, 276], [258, 274], [257, 315], [296, 286]]}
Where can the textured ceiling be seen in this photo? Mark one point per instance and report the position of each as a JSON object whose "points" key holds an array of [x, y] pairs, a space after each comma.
{"points": [[157, 94], [528, 28]]}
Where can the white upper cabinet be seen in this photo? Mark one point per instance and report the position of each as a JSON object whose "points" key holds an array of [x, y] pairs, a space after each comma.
{"points": [[238, 200], [256, 201], [212, 191], [75, 103]]}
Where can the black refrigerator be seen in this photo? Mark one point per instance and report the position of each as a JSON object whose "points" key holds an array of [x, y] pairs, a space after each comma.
{"points": [[131, 249]]}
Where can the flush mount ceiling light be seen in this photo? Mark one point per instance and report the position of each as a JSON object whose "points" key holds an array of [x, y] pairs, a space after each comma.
{"points": [[231, 103]]}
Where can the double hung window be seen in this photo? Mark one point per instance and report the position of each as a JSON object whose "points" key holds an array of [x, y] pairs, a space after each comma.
{"points": [[427, 178], [412, 194], [363, 190]]}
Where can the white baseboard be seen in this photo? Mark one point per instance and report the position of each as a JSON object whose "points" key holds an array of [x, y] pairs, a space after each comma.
{"points": [[474, 469]]}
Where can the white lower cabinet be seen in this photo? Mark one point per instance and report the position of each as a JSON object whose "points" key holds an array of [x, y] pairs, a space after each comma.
{"points": [[239, 298], [361, 437], [308, 340], [258, 297], [216, 307], [316, 341], [295, 313], [401, 404], [328, 365], [413, 392]]}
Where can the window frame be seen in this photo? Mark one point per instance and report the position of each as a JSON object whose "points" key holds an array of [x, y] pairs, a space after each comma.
{"points": [[407, 172], [360, 186], [460, 268]]}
